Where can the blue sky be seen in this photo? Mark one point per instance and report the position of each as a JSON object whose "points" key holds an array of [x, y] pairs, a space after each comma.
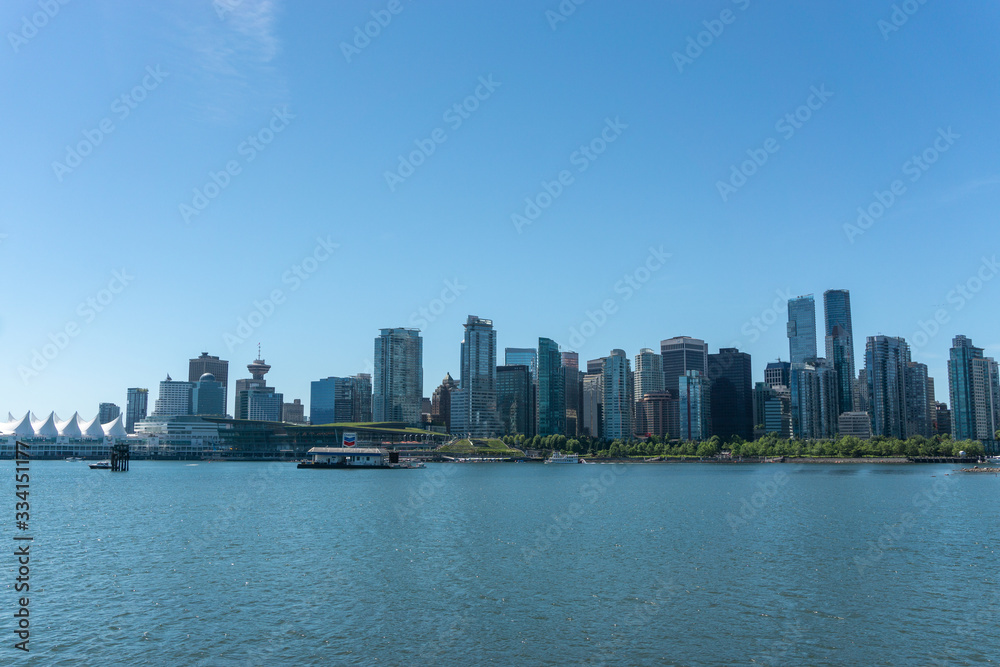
{"points": [[300, 137]]}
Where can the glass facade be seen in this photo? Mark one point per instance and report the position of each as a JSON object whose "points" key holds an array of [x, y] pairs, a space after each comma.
{"points": [[474, 407], [731, 394], [974, 390], [680, 355], [694, 406], [886, 360], [398, 381], [551, 401], [514, 399], [618, 401], [801, 329], [840, 344]]}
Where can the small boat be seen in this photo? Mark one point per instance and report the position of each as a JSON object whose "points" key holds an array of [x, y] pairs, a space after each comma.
{"points": [[73, 459], [558, 457], [101, 465]]}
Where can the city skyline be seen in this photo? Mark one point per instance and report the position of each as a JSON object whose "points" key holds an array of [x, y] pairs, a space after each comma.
{"points": [[313, 230]]}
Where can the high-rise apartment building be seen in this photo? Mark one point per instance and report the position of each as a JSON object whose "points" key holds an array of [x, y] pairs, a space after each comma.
{"points": [[174, 398], [974, 391], [618, 402], [886, 361], [918, 416], [801, 329], [647, 379], [840, 343], [551, 393], [593, 395], [399, 376], [694, 405], [441, 402], [731, 394], [136, 407], [814, 400], [107, 413]]}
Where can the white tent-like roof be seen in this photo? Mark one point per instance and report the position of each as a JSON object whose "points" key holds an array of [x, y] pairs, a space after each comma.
{"points": [[71, 427], [92, 429], [48, 428], [116, 429], [19, 427]]}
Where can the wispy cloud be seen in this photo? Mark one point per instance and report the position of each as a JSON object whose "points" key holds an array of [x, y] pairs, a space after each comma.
{"points": [[235, 44], [973, 187]]}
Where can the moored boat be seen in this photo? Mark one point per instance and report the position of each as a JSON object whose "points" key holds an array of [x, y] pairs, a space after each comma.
{"points": [[558, 457], [101, 465]]}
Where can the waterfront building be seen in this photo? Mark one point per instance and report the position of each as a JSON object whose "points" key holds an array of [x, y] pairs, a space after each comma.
{"points": [[523, 356], [514, 400], [918, 417], [331, 401], [441, 402], [108, 412], [776, 410], [474, 405], [398, 382], [254, 399], [361, 411], [647, 379], [814, 401], [551, 395], [974, 391], [857, 424], [136, 407], [595, 366], [680, 355], [931, 404], [801, 329], [219, 368], [174, 398], [593, 395], [861, 401], [731, 398], [840, 344], [660, 414], [294, 412], [573, 392], [943, 416], [208, 397], [694, 405], [617, 400], [778, 373], [886, 361]]}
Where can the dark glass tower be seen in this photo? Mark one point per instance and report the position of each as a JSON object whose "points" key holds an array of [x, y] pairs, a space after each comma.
{"points": [[840, 344], [801, 329], [731, 394], [551, 412]]}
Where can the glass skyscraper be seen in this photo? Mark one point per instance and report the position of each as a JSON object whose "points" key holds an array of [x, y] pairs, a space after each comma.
{"points": [[731, 394], [695, 406], [974, 390], [398, 382], [886, 361], [801, 329], [135, 407], [474, 405], [618, 402], [551, 411], [840, 344], [680, 355], [648, 379], [523, 356]]}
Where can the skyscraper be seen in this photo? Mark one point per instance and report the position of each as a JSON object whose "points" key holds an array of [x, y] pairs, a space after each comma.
{"points": [[514, 400], [695, 406], [731, 394], [840, 343], [399, 376], [618, 401], [593, 395], [523, 356], [814, 400], [219, 368], [174, 398], [107, 413], [647, 379], [974, 391], [294, 412], [551, 394], [918, 416], [801, 329], [441, 402], [331, 401], [778, 373], [254, 399], [362, 397], [680, 355], [208, 397], [135, 407], [474, 405], [573, 379], [886, 360]]}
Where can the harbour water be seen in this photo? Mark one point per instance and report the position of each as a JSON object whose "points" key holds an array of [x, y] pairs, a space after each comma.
{"points": [[693, 564]]}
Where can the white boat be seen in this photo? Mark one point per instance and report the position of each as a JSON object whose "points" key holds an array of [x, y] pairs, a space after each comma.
{"points": [[101, 465], [563, 458], [73, 459]]}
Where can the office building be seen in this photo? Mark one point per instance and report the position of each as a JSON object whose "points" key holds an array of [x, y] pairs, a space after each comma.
{"points": [[523, 356], [593, 395], [680, 355], [857, 424], [731, 394], [660, 414], [694, 405], [573, 379], [840, 344], [474, 405], [441, 402], [772, 410], [778, 373], [514, 400], [647, 379], [398, 382], [294, 412], [801, 329], [551, 395], [943, 419], [814, 400], [617, 402], [136, 407], [208, 397], [219, 368], [254, 399]]}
